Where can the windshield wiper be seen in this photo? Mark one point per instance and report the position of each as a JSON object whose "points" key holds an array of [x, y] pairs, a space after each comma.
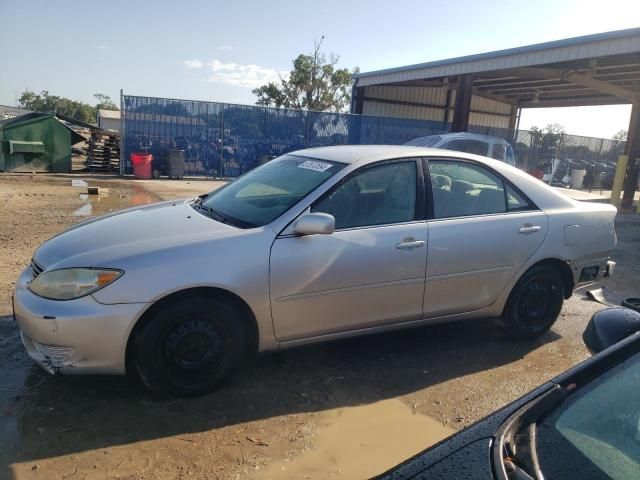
{"points": [[198, 203], [515, 445], [524, 464], [219, 216], [198, 200]]}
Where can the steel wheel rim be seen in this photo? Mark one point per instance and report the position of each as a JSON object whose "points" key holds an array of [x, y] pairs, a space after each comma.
{"points": [[193, 347], [535, 301]]}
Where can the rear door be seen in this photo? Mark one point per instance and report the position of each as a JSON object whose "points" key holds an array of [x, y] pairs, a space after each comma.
{"points": [[482, 232]]}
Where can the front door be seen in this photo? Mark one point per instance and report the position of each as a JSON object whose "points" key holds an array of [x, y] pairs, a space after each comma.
{"points": [[369, 272], [483, 232]]}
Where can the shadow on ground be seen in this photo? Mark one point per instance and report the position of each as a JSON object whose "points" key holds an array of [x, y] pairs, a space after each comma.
{"points": [[46, 416]]}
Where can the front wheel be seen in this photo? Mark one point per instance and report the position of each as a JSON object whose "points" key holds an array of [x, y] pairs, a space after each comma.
{"points": [[534, 304], [189, 346]]}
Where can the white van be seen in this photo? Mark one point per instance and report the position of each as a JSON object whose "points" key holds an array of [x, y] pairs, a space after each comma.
{"points": [[484, 145]]}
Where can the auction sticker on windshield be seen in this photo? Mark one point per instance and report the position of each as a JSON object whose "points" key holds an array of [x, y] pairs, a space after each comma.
{"points": [[315, 165]]}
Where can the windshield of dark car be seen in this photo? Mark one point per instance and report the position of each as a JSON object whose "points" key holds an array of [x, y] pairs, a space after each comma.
{"points": [[263, 194], [595, 433]]}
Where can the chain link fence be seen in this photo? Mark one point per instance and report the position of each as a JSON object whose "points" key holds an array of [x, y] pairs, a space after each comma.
{"points": [[227, 140], [545, 152]]}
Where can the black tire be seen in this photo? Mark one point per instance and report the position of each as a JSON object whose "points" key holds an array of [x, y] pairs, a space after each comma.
{"points": [[632, 302], [534, 303], [187, 347]]}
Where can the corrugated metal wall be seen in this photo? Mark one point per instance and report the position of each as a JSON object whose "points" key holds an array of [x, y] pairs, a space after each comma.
{"points": [[422, 103], [486, 112], [428, 103]]}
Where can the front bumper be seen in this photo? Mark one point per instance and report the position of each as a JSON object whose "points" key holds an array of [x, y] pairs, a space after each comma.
{"points": [[73, 336]]}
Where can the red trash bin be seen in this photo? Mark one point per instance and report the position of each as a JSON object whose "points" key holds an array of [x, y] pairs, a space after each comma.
{"points": [[141, 165]]}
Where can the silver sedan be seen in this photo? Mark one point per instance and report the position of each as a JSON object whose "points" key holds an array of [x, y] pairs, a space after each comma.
{"points": [[316, 245]]}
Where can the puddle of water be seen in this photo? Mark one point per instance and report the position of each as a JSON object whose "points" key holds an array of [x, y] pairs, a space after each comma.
{"points": [[117, 198], [83, 211], [361, 442]]}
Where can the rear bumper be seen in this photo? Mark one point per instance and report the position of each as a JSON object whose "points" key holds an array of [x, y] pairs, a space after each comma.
{"points": [[74, 336], [591, 270]]}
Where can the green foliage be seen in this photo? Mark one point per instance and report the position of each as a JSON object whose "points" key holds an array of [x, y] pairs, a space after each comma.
{"points": [[620, 135], [104, 102], [45, 102], [315, 83], [547, 142]]}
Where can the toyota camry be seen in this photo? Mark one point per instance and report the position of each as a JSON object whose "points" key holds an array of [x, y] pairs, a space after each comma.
{"points": [[316, 245]]}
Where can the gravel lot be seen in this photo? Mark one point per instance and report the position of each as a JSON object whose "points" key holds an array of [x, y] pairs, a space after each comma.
{"points": [[281, 412]]}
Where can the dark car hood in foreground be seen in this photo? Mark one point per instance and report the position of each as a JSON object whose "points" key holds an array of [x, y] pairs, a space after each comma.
{"points": [[469, 454]]}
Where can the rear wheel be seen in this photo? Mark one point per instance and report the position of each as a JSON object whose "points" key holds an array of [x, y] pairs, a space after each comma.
{"points": [[189, 346], [535, 303]]}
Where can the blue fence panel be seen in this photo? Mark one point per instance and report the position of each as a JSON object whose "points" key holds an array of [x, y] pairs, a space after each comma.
{"points": [[228, 140], [155, 125]]}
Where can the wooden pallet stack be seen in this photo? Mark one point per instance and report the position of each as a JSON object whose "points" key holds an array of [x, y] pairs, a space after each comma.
{"points": [[103, 153]]}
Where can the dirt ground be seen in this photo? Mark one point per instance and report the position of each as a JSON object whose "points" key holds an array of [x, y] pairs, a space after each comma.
{"points": [[347, 409]]}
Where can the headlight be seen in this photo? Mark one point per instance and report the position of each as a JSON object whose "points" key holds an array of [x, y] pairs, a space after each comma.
{"points": [[70, 283]]}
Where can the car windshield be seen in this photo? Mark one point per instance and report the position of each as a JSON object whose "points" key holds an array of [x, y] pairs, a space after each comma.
{"points": [[263, 194], [595, 433], [429, 141]]}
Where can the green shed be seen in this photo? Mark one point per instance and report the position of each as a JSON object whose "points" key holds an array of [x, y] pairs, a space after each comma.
{"points": [[36, 142]]}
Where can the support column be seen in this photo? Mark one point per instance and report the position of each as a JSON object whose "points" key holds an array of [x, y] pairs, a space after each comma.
{"points": [[355, 122], [447, 106], [463, 104], [357, 99], [122, 133], [632, 150], [513, 117]]}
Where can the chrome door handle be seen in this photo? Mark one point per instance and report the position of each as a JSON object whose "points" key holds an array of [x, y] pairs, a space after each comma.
{"points": [[410, 245], [528, 228]]}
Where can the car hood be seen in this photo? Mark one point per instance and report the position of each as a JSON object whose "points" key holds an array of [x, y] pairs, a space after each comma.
{"points": [[128, 232]]}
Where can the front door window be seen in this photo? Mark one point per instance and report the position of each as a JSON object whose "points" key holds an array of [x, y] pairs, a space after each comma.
{"points": [[379, 195]]}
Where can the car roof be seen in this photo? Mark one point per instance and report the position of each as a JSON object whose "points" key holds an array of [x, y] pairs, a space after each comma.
{"points": [[368, 153]]}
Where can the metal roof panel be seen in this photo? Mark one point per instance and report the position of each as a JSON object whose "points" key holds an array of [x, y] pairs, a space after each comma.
{"points": [[600, 44]]}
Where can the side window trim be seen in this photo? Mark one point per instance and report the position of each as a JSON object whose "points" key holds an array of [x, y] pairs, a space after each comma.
{"points": [[419, 214], [429, 189]]}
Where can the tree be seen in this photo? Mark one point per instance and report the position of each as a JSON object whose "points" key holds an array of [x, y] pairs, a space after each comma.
{"points": [[315, 83], [546, 143], [45, 102], [620, 135], [104, 102]]}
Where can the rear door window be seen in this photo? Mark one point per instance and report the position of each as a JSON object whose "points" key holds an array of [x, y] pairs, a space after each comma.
{"points": [[516, 202], [462, 189]]}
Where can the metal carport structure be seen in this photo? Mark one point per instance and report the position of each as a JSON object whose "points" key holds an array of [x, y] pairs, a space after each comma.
{"points": [[489, 89]]}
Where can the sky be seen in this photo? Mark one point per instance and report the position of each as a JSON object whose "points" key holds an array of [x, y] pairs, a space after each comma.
{"points": [[219, 50]]}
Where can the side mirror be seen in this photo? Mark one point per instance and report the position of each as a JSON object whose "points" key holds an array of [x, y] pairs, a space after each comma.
{"points": [[315, 223], [609, 326]]}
